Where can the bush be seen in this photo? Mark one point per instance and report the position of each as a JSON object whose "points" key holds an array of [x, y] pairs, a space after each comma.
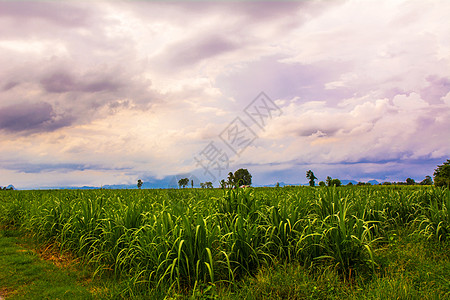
{"points": [[442, 175]]}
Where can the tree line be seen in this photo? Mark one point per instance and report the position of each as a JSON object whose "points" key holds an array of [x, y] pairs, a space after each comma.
{"points": [[441, 178], [242, 177]]}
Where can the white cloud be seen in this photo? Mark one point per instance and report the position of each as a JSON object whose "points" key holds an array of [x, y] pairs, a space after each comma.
{"points": [[411, 102]]}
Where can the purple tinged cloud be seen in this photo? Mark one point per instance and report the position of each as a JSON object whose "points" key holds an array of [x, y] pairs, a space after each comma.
{"points": [[31, 117], [110, 92]]}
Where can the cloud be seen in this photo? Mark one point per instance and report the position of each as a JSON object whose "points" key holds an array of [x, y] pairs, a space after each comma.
{"points": [[31, 117], [284, 80], [130, 86], [26, 167], [189, 52], [62, 82], [61, 14], [438, 87]]}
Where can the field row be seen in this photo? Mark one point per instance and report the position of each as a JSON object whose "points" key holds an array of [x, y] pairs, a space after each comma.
{"points": [[183, 238]]}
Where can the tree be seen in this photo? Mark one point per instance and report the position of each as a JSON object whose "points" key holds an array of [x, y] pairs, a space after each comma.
{"points": [[410, 181], [230, 179], [183, 182], [223, 184], [442, 174], [321, 183], [277, 185], [427, 181], [139, 184], [192, 183], [242, 177], [311, 177], [335, 182], [331, 181]]}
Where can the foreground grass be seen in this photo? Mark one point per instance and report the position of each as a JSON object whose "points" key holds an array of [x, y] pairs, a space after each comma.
{"points": [[290, 243], [409, 268], [30, 274]]}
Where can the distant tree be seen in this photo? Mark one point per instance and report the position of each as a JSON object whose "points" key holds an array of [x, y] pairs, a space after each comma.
{"points": [[192, 183], [311, 177], [321, 183], [242, 177], [183, 182], [277, 185], [410, 181], [386, 183], [139, 184], [208, 185], [202, 185], [230, 180], [223, 184], [427, 181], [350, 183], [442, 174], [329, 180], [335, 182]]}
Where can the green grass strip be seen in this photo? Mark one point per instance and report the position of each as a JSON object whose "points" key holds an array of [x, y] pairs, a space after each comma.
{"points": [[24, 275]]}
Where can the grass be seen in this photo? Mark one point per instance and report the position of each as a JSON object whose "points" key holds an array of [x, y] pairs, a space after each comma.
{"points": [[292, 242], [409, 268], [45, 274]]}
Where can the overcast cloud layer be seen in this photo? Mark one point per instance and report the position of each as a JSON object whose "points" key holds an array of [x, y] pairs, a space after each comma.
{"points": [[110, 92]]}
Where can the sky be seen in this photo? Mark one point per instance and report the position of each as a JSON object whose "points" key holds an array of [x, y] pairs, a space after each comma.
{"points": [[97, 93]]}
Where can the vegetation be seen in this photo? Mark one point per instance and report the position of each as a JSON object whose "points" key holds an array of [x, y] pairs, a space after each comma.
{"points": [[46, 273], [410, 181], [442, 175], [139, 184], [345, 242], [311, 177], [239, 178], [206, 185], [183, 182], [333, 182], [427, 181]]}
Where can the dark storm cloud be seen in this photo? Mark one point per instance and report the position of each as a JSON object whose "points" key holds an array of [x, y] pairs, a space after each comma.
{"points": [[59, 82], [31, 117], [62, 82]]}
